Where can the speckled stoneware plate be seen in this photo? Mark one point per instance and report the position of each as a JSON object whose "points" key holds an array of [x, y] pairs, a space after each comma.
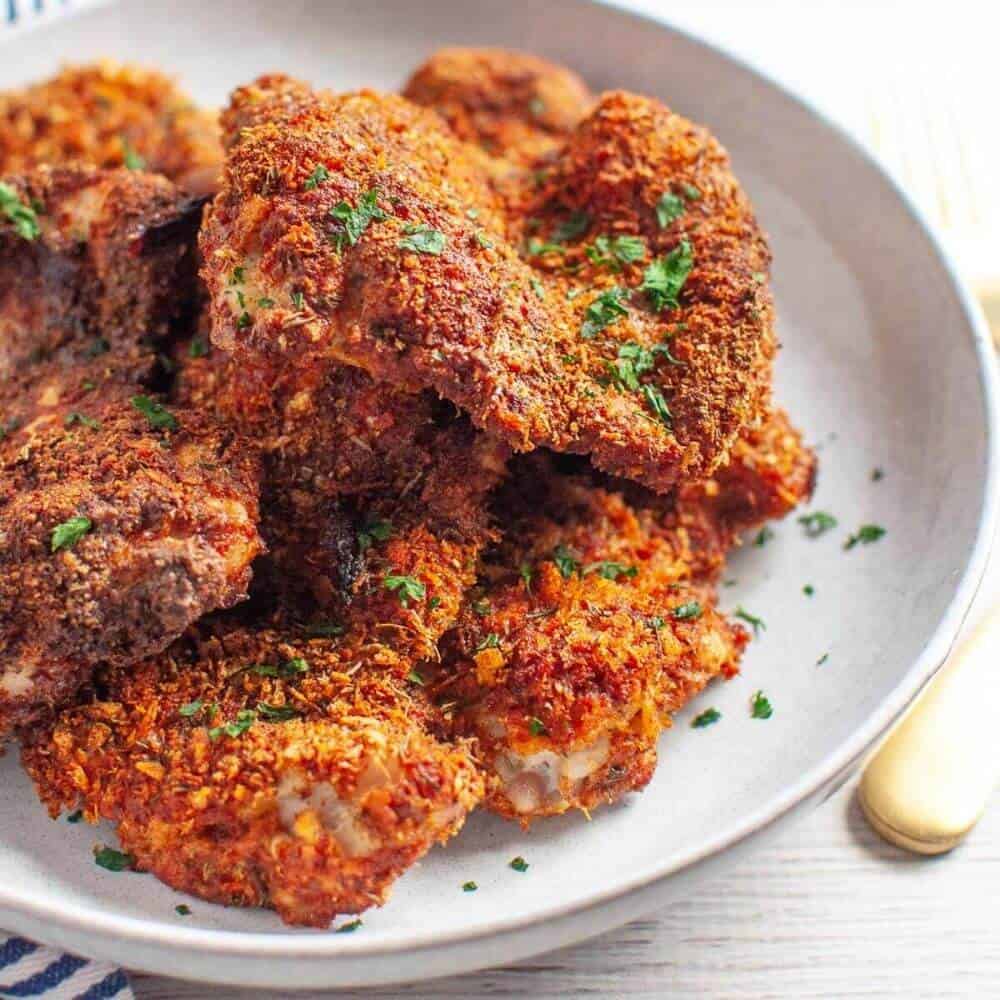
{"points": [[885, 363]]}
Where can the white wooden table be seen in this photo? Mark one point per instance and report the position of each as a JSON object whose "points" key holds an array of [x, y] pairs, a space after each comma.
{"points": [[828, 910]]}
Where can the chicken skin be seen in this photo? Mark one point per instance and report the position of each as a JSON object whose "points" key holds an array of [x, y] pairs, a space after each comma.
{"points": [[358, 223], [110, 115], [261, 768]]}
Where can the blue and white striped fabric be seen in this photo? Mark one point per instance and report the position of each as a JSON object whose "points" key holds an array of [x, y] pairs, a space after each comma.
{"points": [[32, 970]]}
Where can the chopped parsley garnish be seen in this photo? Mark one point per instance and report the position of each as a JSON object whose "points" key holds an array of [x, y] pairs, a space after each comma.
{"points": [[434, 602], [406, 588], [245, 718], [519, 864], [348, 928], [683, 612], [654, 397], [75, 817], [483, 241], [757, 624], [415, 678], [707, 718], [664, 278], [112, 860], [822, 659], [571, 227], [763, 537], [156, 413], [238, 276], [265, 303], [609, 570], [197, 348], [22, 216], [536, 727], [356, 220], [527, 574], [277, 713], [423, 239], [656, 622], [690, 192], [131, 159], [564, 561], [538, 288], [817, 523], [613, 251], [607, 308], [75, 417], [866, 534], [376, 530], [182, 910], [537, 248], [191, 708], [809, 590], [877, 474], [668, 209], [298, 299], [492, 641], [482, 607], [319, 176], [289, 668], [760, 707], [324, 630], [469, 887], [67, 534]]}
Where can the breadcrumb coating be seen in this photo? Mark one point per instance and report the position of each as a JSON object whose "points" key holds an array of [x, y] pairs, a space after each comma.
{"points": [[261, 769], [109, 115], [359, 221]]}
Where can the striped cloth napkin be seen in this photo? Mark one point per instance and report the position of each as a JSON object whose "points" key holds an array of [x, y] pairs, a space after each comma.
{"points": [[32, 970]]}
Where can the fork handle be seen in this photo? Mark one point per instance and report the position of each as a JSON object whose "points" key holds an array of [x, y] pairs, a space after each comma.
{"points": [[930, 781]]}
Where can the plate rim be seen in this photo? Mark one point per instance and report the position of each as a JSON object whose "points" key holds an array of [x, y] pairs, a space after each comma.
{"points": [[126, 930]]}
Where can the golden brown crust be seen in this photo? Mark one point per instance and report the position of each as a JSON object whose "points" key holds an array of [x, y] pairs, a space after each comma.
{"points": [[325, 793], [470, 318], [106, 115]]}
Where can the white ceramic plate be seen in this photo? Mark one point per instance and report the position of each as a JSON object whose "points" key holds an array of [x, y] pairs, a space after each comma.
{"points": [[885, 364]]}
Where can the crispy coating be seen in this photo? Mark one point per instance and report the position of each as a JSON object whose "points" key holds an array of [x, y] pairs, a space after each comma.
{"points": [[327, 785], [170, 532], [423, 289], [112, 268], [587, 634], [109, 115], [364, 485], [512, 104]]}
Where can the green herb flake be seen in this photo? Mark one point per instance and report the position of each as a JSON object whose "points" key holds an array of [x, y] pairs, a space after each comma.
{"points": [[112, 860], [483, 241], [434, 602], [294, 667], [760, 707], [159, 416], [375, 530], [519, 864], [607, 569], [809, 590], [822, 659], [67, 534], [482, 607], [406, 588], [238, 276], [245, 718], [97, 347], [536, 727], [614, 251], [415, 678], [265, 303], [75, 417], [198, 348], [320, 175], [527, 573], [191, 708], [537, 248], [469, 887], [763, 537], [656, 622], [538, 288], [298, 299], [356, 220], [817, 523], [865, 535], [707, 718], [564, 561], [669, 209], [324, 630], [491, 641], [277, 713], [757, 624], [75, 817], [571, 227], [131, 159], [654, 397], [607, 308], [687, 611], [422, 239], [182, 910], [348, 928], [22, 216], [664, 278], [690, 192]]}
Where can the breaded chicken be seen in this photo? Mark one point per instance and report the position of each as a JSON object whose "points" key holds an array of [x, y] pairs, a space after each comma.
{"points": [[512, 104], [374, 499], [110, 115], [261, 769], [91, 262], [353, 228], [121, 523], [586, 634]]}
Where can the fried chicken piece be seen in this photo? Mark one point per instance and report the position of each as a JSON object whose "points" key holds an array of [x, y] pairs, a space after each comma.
{"points": [[512, 104], [374, 502], [121, 523], [358, 222], [261, 769], [110, 115], [102, 261], [587, 634]]}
